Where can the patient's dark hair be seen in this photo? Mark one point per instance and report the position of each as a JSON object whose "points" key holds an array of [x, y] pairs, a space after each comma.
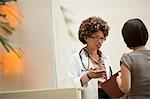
{"points": [[134, 33]]}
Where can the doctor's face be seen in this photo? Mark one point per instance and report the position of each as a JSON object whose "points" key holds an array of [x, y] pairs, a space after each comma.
{"points": [[95, 41]]}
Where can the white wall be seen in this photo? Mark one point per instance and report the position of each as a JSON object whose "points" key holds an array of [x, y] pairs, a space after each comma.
{"points": [[35, 37], [71, 93], [115, 12], [149, 11], [148, 25], [60, 35]]}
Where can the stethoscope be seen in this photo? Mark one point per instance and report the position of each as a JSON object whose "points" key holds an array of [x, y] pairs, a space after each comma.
{"points": [[86, 68]]}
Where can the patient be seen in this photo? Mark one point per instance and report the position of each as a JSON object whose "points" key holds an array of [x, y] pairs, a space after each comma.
{"points": [[134, 78]]}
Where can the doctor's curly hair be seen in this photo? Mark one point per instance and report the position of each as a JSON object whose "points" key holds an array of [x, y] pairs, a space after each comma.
{"points": [[90, 26]]}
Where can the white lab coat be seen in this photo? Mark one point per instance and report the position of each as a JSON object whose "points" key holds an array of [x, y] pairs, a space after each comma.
{"points": [[90, 91]]}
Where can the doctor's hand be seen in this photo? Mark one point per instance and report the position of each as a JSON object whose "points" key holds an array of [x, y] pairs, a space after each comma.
{"points": [[97, 73]]}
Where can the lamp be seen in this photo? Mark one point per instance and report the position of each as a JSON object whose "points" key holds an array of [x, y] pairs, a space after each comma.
{"points": [[12, 65]]}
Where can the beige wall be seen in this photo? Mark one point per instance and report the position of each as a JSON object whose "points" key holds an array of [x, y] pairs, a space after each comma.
{"points": [[37, 42]]}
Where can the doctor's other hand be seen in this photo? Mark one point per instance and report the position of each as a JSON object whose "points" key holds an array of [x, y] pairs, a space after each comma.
{"points": [[97, 73]]}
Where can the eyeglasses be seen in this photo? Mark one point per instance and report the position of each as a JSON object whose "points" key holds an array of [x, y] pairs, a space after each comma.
{"points": [[98, 38]]}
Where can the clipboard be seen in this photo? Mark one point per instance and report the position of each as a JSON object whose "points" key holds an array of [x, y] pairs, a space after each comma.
{"points": [[111, 88]]}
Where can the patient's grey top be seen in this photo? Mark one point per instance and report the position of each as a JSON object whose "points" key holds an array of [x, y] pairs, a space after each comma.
{"points": [[138, 62]]}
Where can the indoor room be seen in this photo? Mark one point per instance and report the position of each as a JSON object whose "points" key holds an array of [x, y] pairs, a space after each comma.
{"points": [[39, 37]]}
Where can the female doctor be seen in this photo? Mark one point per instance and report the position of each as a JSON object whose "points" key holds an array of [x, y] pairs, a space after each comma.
{"points": [[90, 67]]}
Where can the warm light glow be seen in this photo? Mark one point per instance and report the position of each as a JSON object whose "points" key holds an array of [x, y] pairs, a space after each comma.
{"points": [[12, 13], [12, 65]]}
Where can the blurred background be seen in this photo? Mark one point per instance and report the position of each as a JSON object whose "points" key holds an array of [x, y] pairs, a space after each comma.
{"points": [[48, 36]]}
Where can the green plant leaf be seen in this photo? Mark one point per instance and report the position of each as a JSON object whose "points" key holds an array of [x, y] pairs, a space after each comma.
{"points": [[7, 30], [71, 34], [8, 46], [4, 43], [68, 20], [3, 1]]}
